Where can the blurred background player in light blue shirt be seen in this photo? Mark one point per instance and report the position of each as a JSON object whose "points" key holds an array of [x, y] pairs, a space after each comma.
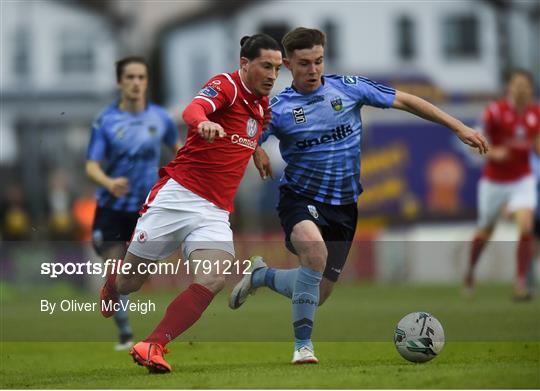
{"points": [[317, 121], [123, 159]]}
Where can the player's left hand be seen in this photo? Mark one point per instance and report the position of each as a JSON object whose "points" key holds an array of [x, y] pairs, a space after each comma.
{"points": [[473, 138]]}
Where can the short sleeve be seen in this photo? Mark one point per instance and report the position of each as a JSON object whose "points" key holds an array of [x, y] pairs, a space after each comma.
{"points": [[368, 92], [97, 147]]}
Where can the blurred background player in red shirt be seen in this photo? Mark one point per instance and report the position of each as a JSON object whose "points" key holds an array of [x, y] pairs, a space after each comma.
{"points": [[512, 125]]}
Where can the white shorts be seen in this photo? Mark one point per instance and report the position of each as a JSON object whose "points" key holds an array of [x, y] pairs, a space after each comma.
{"points": [[176, 216], [494, 196]]}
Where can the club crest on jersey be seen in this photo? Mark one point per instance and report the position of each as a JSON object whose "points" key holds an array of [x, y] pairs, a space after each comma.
{"points": [[152, 130], [313, 211], [209, 92], [349, 79], [120, 133], [251, 127], [337, 105], [142, 236], [299, 116]]}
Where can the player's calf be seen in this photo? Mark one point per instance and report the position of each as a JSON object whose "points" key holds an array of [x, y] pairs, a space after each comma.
{"points": [[134, 278]]}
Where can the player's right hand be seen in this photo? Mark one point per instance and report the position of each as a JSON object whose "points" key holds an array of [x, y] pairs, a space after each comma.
{"points": [[118, 187], [209, 130], [262, 162]]}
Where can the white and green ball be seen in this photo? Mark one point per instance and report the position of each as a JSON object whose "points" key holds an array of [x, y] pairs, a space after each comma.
{"points": [[419, 337]]}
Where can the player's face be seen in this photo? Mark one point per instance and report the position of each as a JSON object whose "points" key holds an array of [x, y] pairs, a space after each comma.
{"points": [[134, 81], [307, 67], [262, 72], [520, 88]]}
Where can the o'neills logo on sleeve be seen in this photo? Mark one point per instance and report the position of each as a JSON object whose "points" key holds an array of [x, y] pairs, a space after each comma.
{"points": [[245, 142]]}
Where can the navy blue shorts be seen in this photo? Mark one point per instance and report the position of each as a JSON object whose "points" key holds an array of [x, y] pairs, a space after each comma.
{"points": [[336, 222], [112, 227], [536, 229]]}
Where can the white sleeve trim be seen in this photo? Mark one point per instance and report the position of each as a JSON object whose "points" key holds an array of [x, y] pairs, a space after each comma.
{"points": [[234, 85], [208, 100]]}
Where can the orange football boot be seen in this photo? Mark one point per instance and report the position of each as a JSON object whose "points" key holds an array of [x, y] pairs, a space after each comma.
{"points": [[150, 355]]}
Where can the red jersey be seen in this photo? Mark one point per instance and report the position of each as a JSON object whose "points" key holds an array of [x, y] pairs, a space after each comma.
{"points": [[504, 126], [214, 170]]}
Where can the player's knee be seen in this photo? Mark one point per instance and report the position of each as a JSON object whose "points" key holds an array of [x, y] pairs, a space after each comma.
{"points": [[525, 225], [314, 256]]}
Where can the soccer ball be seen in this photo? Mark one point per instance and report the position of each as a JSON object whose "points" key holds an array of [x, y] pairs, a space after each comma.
{"points": [[419, 337]]}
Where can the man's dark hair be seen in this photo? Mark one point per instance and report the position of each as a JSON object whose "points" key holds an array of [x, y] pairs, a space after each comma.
{"points": [[252, 46], [520, 72], [302, 38], [121, 64]]}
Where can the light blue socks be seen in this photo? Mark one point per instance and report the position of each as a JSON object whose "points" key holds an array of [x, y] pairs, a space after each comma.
{"points": [[300, 284], [305, 300], [280, 280]]}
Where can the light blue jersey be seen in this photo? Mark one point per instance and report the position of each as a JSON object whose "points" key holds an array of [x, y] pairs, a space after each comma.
{"points": [[130, 145], [535, 166], [320, 135]]}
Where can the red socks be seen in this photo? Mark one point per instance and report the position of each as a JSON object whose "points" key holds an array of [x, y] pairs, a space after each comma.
{"points": [[524, 255], [181, 314]]}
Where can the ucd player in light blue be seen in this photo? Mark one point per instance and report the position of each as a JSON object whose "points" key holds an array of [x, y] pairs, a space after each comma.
{"points": [[126, 139], [318, 123]]}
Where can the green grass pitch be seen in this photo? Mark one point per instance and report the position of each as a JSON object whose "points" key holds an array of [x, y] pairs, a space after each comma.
{"points": [[491, 343]]}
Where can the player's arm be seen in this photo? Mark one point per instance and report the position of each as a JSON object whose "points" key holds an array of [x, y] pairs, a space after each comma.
{"points": [[219, 92], [262, 162], [195, 115], [498, 152], [171, 136], [97, 152], [260, 157], [424, 109], [118, 187]]}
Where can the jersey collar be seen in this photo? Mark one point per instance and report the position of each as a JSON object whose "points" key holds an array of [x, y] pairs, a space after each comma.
{"points": [[309, 93], [247, 92]]}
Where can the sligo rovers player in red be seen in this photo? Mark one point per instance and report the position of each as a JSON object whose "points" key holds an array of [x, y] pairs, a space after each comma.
{"points": [[189, 205], [512, 125]]}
